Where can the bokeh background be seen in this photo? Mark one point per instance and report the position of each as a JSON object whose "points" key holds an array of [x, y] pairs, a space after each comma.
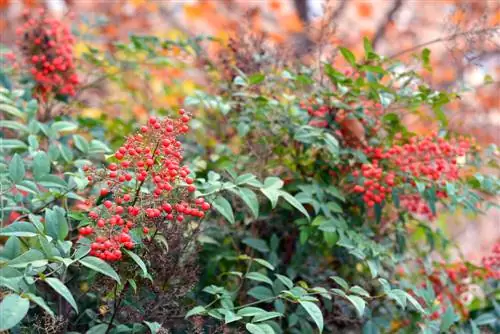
{"points": [[463, 36]]}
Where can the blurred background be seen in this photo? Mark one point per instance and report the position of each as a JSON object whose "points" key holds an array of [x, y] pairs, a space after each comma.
{"points": [[463, 37]]}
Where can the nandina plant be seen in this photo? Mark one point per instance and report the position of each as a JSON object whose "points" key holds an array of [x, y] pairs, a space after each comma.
{"points": [[147, 188]]}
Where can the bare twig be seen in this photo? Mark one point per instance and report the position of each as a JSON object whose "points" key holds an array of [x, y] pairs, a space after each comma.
{"points": [[379, 34]]}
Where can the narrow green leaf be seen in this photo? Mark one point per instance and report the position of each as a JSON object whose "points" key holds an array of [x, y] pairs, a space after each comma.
{"points": [[139, 262], [256, 276], [223, 206], [16, 168], [61, 289], [358, 303], [314, 312], [99, 265], [348, 55]]}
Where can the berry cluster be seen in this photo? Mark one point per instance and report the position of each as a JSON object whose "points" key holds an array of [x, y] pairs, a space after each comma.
{"points": [[492, 262], [433, 161], [147, 186], [47, 47]]}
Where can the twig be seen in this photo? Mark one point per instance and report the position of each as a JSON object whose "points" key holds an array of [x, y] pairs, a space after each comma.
{"points": [[443, 39]]}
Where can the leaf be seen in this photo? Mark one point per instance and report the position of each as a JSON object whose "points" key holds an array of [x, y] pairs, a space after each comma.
{"points": [[426, 53], [14, 126], [244, 178], [154, 327], [97, 146], [295, 203], [98, 329], [40, 302], [256, 78], [264, 263], [99, 265], [32, 256], [250, 311], [266, 316], [415, 303], [259, 328], [195, 311], [340, 281], [314, 312], [63, 126], [223, 206], [399, 296], [332, 144], [56, 223], [447, 319], [11, 249], [359, 304], [285, 280], [41, 165], [348, 55], [359, 291], [259, 277], [81, 143], [257, 244], [250, 199], [270, 189], [19, 229], [231, 317], [488, 79], [13, 309], [16, 168], [11, 110], [486, 319], [61, 289], [260, 292], [139, 262]]}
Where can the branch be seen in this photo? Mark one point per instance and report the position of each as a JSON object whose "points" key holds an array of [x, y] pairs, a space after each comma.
{"points": [[444, 39], [388, 19], [339, 10]]}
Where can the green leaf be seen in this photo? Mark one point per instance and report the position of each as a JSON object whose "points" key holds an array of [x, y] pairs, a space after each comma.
{"points": [[340, 281], [285, 280], [61, 289], [41, 165], [56, 223], [7, 144], [98, 329], [426, 54], [244, 178], [40, 302], [19, 229], [259, 329], [359, 304], [139, 262], [367, 46], [258, 244], [256, 276], [314, 312], [223, 206], [271, 189], [415, 303], [348, 55], [11, 249], [195, 311], [231, 317], [250, 311], [32, 256], [488, 79], [97, 146], [81, 143], [14, 126], [13, 309], [11, 110], [260, 292], [332, 144], [250, 199], [266, 316], [264, 263], [256, 78], [153, 327], [63, 126], [447, 319], [294, 202], [99, 265], [359, 291], [399, 296], [16, 168]]}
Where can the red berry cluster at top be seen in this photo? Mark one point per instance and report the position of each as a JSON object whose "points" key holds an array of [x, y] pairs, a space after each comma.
{"points": [[47, 47], [148, 186], [492, 262], [429, 160]]}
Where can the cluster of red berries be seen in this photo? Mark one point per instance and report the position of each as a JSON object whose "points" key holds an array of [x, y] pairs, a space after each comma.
{"points": [[148, 186], [492, 262], [47, 47], [431, 160]]}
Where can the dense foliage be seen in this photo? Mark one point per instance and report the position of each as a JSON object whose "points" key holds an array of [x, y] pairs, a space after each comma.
{"points": [[296, 200]]}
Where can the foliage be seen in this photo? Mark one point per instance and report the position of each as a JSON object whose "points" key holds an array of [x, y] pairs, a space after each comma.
{"points": [[318, 204]]}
